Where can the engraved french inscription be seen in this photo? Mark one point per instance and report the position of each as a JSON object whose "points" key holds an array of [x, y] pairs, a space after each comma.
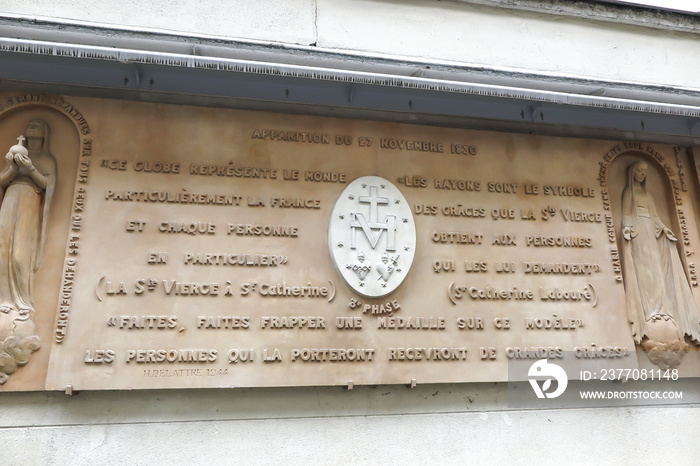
{"points": [[215, 247]]}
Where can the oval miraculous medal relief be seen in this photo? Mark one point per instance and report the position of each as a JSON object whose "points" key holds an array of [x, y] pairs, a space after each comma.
{"points": [[372, 236]]}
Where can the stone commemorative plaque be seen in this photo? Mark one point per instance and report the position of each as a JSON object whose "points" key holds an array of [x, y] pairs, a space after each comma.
{"points": [[162, 246]]}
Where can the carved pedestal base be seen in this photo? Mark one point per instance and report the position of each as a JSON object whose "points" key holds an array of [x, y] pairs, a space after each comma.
{"points": [[18, 340], [664, 346]]}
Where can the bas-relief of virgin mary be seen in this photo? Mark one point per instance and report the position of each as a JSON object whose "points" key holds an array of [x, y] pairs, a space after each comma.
{"points": [[27, 181], [656, 286]]}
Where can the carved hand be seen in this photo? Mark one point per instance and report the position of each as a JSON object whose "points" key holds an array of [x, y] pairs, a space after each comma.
{"points": [[10, 158], [629, 232], [24, 162], [669, 234]]}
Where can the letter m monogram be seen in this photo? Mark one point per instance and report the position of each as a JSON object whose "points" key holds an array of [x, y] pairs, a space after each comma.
{"points": [[373, 229]]}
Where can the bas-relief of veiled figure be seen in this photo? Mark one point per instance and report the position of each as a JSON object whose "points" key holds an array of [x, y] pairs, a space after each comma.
{"points": [[660, 305], [27, 180]]}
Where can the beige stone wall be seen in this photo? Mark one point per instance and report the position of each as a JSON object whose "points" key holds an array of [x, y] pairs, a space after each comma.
{"points": [[437, 424]]}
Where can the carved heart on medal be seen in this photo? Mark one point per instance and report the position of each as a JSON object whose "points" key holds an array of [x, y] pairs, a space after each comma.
{"points": [[385, 270], [361, 269]]}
